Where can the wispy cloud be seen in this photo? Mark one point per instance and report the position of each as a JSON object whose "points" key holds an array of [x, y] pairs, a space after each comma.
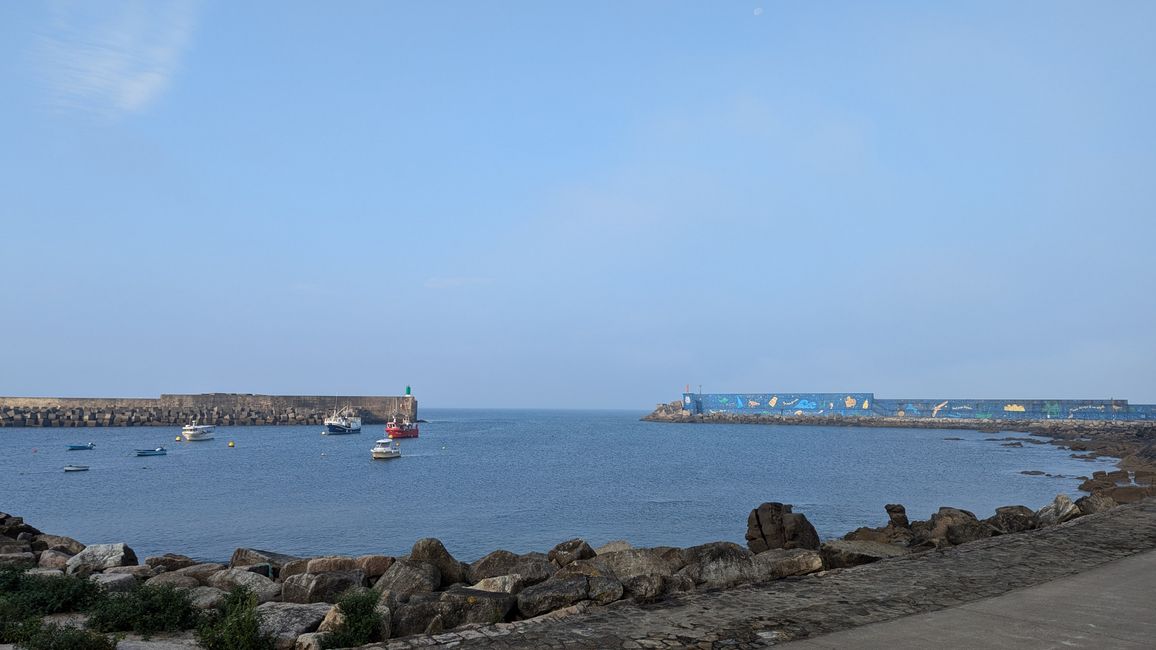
{"points": [[455, 282], [113, 58]]}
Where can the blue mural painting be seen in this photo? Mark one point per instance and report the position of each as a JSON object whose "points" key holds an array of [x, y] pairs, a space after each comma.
{"points": [[866, 405]]}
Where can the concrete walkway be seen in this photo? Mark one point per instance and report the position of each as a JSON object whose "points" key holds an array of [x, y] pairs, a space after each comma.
{"points": [[1110, 606]]}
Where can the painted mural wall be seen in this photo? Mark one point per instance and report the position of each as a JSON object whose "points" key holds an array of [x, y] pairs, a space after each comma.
{"points": [[866, 405]]}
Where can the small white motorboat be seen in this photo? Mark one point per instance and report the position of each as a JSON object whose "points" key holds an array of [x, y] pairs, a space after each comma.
{"points": [[76, 468], [196, 431], [159, 451], [386, 449]]}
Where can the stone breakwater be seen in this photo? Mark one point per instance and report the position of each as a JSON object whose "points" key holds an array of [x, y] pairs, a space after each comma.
{"points": [[1132, 443], [509, 600], [221, 409]]}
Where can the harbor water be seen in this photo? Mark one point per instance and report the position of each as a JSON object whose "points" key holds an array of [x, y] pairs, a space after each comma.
{"points": [[521, 480]]}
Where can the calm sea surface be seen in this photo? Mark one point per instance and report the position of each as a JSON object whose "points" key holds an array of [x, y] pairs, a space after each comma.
{"points": [[486, 479]]}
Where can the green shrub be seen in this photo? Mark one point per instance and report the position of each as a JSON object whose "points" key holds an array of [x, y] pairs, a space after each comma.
{"points": [[24, 596], [145, 610], [236, 625], [32, 634], [362, 621]]}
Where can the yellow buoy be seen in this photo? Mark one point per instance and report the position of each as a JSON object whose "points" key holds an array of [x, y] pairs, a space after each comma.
{"points": [[178, 439], [230, 443]]}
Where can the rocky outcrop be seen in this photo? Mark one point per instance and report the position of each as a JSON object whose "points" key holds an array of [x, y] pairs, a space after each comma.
{"points": [[287, 621], [170, 562], [432, 551], [173, 579], [1011, 519], [839, 554], [511, 584], [98, 557], [773, 525], [249, 556], [1095, 503], [947, 527], [569, 551], [320, 587], [1058, 511], [499, 563], [407, 577], [114, 583], [67, 545], [553, 594], [265, 589], [374, 566]]}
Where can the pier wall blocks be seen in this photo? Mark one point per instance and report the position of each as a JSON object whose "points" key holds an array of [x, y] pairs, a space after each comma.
{"points": [[866, 405], [223, 409]]}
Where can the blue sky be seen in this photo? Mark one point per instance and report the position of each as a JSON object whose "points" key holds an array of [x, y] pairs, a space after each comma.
{"points": [[564, 204]]}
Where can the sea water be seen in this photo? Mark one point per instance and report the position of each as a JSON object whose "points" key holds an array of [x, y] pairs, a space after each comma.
{"points": [[521, 480]]}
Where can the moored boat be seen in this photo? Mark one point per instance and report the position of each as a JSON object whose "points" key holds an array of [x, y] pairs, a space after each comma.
{"points": [[343, 421], [385, 450], [404, 429], [76, 468], [196, 431], [90, 445], [159, 451]]}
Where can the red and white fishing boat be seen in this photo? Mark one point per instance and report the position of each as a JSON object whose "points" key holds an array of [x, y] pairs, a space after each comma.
{"points": [[405, 429]]}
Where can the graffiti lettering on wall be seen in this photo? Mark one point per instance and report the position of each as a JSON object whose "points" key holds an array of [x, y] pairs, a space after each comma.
{"points": [[1014, 408]]}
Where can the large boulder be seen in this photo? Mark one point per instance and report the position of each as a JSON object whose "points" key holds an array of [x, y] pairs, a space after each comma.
{"points": [[416, 616], [140, 571], [553, 594], [201, 571], [948, 526], [293, 568], [1129, 493], [603, 590], [114, 583], [374, 566], [781, 563], [511, 584], [249, 556], [612, 546], [287, 621], [431, 551], [568, 551], [320, 587], [1088, 505], [17, 560], [773, 525], [470, 606], [839, 553], [1011, 519], [176, 580], [407, 577], [330, 563], [1058, 511], [170, 562], [56, 543], [531, 567], [51, 559], [98, 557], [207, 597], [717, 564], [630, 563], [265, 589], [897, 516]]}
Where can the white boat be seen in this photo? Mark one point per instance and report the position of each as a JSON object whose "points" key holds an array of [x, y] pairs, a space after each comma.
{"points": [[196, 431], [386, 449], [343, 421], [76, 468]]}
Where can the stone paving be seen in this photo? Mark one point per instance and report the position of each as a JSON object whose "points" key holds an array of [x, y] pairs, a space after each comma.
{"points": [[760, 616]]}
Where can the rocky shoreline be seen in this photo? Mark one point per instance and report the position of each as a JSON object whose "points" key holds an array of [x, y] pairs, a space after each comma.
{"points": [[431, 594]]}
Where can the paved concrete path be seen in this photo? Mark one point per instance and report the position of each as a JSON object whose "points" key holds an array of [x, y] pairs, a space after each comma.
{"points": [[1110, 606], [760, 616]]}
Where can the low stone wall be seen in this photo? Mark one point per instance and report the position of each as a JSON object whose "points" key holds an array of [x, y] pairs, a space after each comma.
{"points": [[222, 409]]}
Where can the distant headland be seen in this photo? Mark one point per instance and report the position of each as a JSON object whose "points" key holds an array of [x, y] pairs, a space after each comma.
{"points": [[221, 409]]}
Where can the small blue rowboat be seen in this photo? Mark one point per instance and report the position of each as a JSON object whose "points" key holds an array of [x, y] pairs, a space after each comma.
{"points": [[76, 468], [159, 451], [91, 445]]}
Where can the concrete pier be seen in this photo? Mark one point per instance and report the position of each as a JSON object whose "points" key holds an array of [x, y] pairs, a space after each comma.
{"points": [[222, 409]]}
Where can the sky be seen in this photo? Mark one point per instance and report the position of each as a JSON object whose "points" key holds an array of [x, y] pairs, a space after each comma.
{"points": [[578, 204]]}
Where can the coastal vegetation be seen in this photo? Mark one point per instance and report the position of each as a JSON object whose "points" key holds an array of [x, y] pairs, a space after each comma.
{"points": [[235, 625]]}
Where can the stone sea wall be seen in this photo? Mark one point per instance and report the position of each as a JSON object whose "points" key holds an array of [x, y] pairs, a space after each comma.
{"points": [[222, 409]]}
